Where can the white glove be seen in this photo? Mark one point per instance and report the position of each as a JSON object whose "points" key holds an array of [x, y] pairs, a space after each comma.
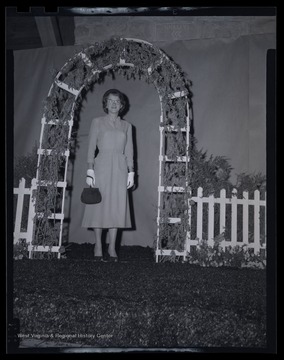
{"points": [[130, 180], [90, 179]]}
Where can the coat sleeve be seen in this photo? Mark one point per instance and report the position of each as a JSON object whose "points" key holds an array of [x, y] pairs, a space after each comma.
{"points": [[129, 149], [92, 141]]}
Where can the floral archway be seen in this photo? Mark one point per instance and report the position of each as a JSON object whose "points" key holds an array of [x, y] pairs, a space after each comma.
{"points": [[130, 58]]}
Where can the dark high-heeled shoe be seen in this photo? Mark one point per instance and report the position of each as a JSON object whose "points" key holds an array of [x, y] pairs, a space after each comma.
{"points": [[98, 258], [108, 258]]}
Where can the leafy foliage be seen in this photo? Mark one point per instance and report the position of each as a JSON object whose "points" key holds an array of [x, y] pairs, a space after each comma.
{"points": [[20, 250], [238, 256], [212, 174], [25, 166], [250, 183]]}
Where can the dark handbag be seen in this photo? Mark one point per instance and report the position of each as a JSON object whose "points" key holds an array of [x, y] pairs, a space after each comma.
{"points": [[91, 196]]}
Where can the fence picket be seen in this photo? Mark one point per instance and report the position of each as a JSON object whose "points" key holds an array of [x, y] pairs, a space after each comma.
{"points": [[211, 220], [245, 218], [222, 210], [256, 237], [234, 218], [19, 209], [199, 234]]}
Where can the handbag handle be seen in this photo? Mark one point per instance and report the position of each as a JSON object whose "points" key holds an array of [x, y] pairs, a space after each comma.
{"points": [[91, 178]]}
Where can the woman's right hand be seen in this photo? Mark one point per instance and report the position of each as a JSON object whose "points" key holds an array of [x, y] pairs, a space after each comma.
{"points": [[90, 179]]}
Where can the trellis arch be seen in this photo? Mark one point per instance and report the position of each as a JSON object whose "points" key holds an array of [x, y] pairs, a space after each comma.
{"points": [[131, 58]]}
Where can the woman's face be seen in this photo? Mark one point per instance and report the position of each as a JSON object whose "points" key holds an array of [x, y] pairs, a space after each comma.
{"points": [[113, 104]]}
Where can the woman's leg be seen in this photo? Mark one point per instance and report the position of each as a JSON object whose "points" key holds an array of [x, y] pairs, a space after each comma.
{"points": [[112, 240], [98, 242]]}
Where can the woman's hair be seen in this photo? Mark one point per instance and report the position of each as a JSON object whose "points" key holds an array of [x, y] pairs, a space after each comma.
{"points": [[116, 93]]}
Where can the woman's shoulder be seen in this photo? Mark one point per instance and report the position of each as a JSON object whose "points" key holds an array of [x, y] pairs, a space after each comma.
{"points": [[98, 120], [126, 123]]}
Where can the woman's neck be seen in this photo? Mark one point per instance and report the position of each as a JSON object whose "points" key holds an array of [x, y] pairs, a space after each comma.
{"points": [[113, 117]]}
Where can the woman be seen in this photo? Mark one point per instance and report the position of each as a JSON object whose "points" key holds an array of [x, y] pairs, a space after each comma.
{"points": [[111, 171]]}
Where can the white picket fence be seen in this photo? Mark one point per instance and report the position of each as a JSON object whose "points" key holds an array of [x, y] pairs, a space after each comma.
{"points": [[19, 231], [255, 239]]}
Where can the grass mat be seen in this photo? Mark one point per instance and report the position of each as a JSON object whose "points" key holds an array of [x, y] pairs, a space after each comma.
{"points": [[139, 303]]}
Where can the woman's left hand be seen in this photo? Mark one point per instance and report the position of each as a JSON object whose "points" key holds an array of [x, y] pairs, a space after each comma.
{"points": [[130, 180]]}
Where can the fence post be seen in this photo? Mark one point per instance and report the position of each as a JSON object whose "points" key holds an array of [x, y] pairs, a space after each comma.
{"points": [[31, 217]]}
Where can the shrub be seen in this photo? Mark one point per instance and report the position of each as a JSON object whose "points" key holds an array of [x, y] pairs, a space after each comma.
{"points": [[238, 256], [21, 250]]}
